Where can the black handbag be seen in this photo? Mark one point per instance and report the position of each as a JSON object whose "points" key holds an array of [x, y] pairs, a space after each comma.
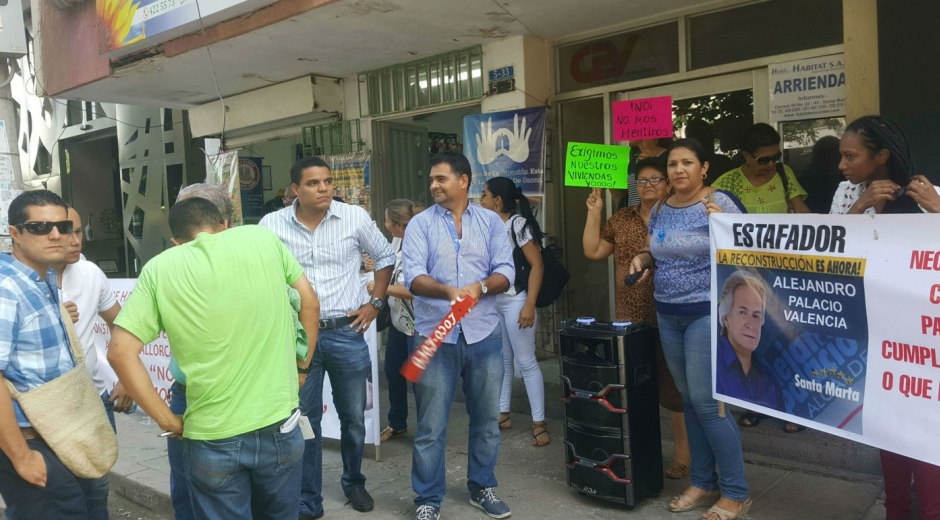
{"points": [[553, 281]]}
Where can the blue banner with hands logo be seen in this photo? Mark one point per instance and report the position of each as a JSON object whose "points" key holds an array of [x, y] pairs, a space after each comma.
{"points": [[506, 144]]}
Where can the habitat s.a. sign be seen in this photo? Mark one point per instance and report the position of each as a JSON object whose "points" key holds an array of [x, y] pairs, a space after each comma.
{"points": [[807, 89], [506, 144]]}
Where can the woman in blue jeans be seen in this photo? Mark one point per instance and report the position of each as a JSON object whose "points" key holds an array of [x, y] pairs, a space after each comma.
{"points": [[398, 213], [679, 250]]}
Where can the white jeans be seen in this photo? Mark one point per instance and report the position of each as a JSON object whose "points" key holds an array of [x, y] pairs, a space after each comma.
{"points": [[519, 344]]}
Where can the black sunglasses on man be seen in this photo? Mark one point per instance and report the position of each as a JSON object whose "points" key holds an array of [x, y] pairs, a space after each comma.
{"points": [[39, 227]]}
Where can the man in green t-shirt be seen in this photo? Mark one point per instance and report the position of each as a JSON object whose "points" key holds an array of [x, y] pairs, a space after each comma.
{"points": [[219, 295]]}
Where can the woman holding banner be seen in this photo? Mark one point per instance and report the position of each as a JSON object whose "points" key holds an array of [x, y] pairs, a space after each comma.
{"points": [[517, 305], [625, 234], [679, 249], [879, 172]]}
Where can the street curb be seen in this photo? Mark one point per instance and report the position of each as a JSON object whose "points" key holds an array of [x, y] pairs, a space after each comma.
{"points": [[141, 494]]}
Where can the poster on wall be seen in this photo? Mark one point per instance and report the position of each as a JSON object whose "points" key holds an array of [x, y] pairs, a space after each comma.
{"points": [[506, 144], [252, 188], [6, 197], [830, 322], [222, 170], [807, 89], [156, 359], [351, 177]]}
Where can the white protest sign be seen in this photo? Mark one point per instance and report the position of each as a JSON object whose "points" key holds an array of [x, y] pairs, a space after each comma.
{"points": [[847, 342], [156, 358]]}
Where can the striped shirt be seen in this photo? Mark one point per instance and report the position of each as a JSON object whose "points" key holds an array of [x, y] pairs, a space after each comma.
{"points": [[34, 348], [332, 253], [431, 247]]}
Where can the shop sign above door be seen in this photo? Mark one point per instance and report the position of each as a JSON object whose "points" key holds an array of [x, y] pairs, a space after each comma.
{"points": [[127, 25], [807, 89]]}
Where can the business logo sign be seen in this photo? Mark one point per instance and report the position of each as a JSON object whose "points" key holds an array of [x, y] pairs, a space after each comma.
{"points": [[807, 89], [506, 144]]}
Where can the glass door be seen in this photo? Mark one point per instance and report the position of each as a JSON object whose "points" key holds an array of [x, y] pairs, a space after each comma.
{"points": [[716, 111]]}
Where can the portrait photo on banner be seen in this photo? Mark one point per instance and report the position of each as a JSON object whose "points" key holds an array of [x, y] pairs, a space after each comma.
{"points": [[792, 336]]}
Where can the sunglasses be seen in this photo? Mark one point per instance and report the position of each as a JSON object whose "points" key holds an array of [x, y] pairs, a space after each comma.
{"points": [[649, 182], [763, 161], [44, 228]]}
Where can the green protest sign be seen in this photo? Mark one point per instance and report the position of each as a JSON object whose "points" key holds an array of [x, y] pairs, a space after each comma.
{"points": [[596, 165]]}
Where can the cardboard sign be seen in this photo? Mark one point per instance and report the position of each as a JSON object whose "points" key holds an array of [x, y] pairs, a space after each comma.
{"points": [[649, 118], [597, 165], [839, 328]]}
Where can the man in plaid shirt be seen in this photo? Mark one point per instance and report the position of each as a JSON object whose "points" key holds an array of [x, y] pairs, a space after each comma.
{"points": [[34, 350]]}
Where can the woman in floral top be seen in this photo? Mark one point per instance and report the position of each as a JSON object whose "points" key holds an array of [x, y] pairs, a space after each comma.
{"points": [[624, 235]]}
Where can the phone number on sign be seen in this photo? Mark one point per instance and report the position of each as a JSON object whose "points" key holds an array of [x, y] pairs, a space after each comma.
{"points": [[160, 7]]}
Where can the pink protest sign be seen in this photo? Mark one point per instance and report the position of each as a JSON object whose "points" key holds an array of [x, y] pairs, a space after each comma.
{"points": [[648, 118]]}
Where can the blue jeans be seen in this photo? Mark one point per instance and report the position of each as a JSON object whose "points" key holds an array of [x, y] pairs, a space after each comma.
{"points": [[712, 439], [252, 475], [109, 409], [396, 352], [480, 365], [343, 354], [65, 496], [179, 489]]}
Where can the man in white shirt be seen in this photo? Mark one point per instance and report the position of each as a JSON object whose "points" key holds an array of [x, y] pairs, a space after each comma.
{"points": [[83, 283], [327, 238]]}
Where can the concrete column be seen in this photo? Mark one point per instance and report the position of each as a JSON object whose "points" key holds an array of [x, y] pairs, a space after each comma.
{"points": [[860, 30]]}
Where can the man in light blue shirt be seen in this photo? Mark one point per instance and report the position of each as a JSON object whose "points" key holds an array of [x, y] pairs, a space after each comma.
{"points": [[456, 250]]}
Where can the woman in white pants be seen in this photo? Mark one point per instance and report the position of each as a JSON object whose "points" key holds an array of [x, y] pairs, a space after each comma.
{"points": [[517, 305]]}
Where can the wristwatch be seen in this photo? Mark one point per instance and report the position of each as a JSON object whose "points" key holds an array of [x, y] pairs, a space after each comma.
{"points": [[377, 303], [483, 288]]}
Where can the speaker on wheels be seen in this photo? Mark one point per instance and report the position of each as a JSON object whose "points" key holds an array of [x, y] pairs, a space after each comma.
{"points": [[613, 449]]}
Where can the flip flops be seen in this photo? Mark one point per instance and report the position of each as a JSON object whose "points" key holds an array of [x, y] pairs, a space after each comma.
{"points": [[539, 431], [750, 419], [677, 470], [686, 503], [505, 422], [724, 514]]}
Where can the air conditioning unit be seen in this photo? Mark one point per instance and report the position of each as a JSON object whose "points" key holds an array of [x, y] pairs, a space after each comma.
{"points": [[12, 30]]}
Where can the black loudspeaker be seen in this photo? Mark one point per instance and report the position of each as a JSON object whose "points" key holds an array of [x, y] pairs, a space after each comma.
{"points": [[612, 437]]}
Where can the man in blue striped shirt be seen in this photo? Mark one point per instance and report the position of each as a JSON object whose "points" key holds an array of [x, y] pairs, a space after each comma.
{"points": [[327, 238], [34, 350], [453, 250]]}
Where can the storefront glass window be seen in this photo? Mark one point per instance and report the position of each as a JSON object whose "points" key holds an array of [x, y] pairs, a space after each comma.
{"points": [[763, 29]]}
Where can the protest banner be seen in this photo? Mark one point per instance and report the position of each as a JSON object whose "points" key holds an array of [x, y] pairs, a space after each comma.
{"points": [[506, 144], [156, 359], [647, 118], [837, 319], [596, 165]]}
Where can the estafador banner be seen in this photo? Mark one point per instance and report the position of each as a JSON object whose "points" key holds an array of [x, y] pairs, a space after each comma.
{"points": [[831, 322]]}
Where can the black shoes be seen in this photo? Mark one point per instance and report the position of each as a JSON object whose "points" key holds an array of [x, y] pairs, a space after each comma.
{"points": [[361, 500]]}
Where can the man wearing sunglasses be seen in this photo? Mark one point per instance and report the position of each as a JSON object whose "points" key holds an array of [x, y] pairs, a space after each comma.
{"points": [[85, 284], [763, 183], [34, 350]]}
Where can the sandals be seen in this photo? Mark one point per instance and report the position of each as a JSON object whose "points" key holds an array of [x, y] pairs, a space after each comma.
{"points": [[792, 428], [539, 431], [677, 470], [686, 503], [724, 514], [505, 422], [750, 419], [390, 432]]}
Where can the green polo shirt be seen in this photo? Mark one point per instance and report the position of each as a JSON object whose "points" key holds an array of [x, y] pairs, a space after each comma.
{"points": [[220, 299]]}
